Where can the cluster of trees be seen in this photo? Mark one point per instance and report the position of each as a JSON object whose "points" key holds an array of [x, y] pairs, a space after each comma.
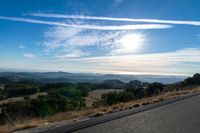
{"points": [[68, 89], [19, 89], [186, 84], [41, 107], [24, 88], [2, 94], [17, 92], [136, 90], [195, 80], [132, 92], [60, 97]]}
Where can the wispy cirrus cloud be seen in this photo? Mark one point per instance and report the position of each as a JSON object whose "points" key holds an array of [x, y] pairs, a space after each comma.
{"points": [[153, 59], [166, 62], [160, 21], [90, 26], [21, 46], [68, 42], [29, 55], [71, 54]]}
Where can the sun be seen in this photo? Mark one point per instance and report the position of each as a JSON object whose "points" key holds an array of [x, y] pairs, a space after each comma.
{"points": [[130, 43]]}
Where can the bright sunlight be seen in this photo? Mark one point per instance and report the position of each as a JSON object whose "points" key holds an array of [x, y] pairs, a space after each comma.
{"points": [[130, 43]]}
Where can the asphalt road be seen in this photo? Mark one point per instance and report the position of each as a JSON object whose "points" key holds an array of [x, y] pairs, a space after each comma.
{"points": [[178, 117]]}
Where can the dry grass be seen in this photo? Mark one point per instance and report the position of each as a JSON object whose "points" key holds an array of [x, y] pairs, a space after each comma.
{"points": [[15, 99], [4, 129], [23, 127], [96, 95], [95, 112]]}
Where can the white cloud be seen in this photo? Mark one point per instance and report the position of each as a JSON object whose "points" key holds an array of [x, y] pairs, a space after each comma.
{"points": [[29, 55], [69, 42], [168, 62], [58, 37], [153, 59], [63, 41], [21, 46], [160, 21], [72, 54], [89, 26], [117, 2]]}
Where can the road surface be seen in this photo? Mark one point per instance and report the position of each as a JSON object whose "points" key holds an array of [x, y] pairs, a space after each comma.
{"points": [[179, 117]]}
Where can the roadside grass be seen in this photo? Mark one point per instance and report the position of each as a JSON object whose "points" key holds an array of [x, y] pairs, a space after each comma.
{"points": [[68, 117], [4, 129], [23, 127]]}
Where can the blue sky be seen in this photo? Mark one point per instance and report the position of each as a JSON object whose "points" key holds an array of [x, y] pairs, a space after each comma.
{"points": [[101, 36]]}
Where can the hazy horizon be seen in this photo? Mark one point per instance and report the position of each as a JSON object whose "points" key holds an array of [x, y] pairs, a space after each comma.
{"points": [[90, 73]]}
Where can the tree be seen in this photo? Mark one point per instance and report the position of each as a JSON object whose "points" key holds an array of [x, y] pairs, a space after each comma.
{"points": [[154, 89], [195, 80], [134, 84], [84, 89], [110, 98]]}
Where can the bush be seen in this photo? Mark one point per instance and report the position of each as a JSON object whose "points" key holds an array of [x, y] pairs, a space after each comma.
{"points": [[154, 89], [17, 92], [98, 114], [136, 105]]}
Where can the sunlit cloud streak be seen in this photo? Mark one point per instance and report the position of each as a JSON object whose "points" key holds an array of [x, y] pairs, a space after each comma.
{"points": [[149, 60], [88, 26], [176, 22], [29, 55]]}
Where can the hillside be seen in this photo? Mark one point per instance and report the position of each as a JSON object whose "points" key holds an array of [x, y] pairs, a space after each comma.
{"points": [[83, 77]]}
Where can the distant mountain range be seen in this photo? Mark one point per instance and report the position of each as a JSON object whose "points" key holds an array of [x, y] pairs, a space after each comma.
{"points": [[82, 77]]}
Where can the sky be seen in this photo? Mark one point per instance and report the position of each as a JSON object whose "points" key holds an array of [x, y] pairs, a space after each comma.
{"points": [[159, 37]]}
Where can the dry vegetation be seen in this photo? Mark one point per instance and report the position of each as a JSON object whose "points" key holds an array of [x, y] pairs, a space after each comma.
{"points": [[67, 117], [14, 99], [96, 95]]}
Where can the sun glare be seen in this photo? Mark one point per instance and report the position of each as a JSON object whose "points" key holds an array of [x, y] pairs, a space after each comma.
{"points": [[131, 43]]}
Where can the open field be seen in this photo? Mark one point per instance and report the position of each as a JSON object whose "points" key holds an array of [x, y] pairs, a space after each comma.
{"points": [[67, 117], [14, 99]]}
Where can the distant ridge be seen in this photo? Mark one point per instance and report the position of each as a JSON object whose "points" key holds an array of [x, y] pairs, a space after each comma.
{"points": [[89, 77]]}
